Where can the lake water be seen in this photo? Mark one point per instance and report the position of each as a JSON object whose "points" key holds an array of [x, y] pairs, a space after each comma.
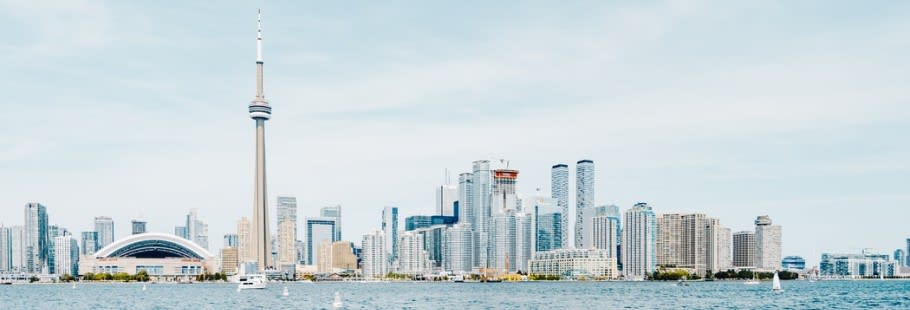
{"points": [[891, 294]]}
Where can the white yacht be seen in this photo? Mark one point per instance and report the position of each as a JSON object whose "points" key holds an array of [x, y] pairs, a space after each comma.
{"points": [[251, 281]]}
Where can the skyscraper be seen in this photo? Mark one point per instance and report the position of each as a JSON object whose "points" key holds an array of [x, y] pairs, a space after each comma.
{"points": [[244, 241], [138, 227], [767, 244], [66, 257], [35, 238], [718, 243], [104, 226], [907, 263], [481, 181], [89, 242], [604, 233], [446, 195], [459, 240], [412, 258], [287, 229], [390, 231], [548, 224], [503, 191], [373, 256], [638, 242], [6, 250], [559, 188], [17, 248], [197, 230], [180, 231], [318, 230], [584, 199], [466, 200], [744, 249], [335, 213], [230, 240], [260, 111]]}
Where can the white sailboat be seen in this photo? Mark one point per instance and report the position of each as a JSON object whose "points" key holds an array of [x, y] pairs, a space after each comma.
{"points": [[285, 292], [754, 280], [775, 284]]}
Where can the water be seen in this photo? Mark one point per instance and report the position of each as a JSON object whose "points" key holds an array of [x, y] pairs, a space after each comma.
{"points": [[529, 295]]}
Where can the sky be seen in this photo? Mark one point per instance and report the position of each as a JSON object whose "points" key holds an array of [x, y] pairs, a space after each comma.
{"points": [[794, 109]]}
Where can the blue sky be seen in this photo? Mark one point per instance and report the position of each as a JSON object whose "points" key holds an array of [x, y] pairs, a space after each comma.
{"points": [[797, 110]]}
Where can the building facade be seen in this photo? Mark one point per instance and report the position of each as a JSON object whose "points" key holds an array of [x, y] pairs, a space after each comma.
{"points": [[584, 200], [374, 262], [66, 256], [865, 264], [390, 231], [459, 247], [767, 244], [244, 241], [36, 243], [335, 213], [638, 242], [318, 230], [744, 249], [286, 214], [138, 226], [482, 211], [466, 200], [559, 189], [605, 234], [575, 263]]}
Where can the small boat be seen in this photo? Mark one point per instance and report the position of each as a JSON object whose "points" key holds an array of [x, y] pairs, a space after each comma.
{"points": [[337, 302], [754, 280], [251, 281], [775, 284], [458, 279], [285, 292], [143, 287]]}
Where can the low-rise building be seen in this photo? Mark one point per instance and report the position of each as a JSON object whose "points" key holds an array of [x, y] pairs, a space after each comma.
{"points": [[596, 263]]}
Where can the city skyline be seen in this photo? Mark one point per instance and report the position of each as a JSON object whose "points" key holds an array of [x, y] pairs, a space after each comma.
{"points": [[735, 143]]}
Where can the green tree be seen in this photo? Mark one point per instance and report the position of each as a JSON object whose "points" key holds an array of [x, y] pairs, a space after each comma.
{"points": [[88, 276]]}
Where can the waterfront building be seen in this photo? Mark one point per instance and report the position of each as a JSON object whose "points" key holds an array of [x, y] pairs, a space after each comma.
{"points": [[66, 255], [605, 234], [744, 249], [36, 243], [6, 250], [335, 213], [245, 241], [260, 112], [138, 226], [718, 244], [286, 214], [793, 263], [374, 260], [412, 254], [318, 229], [907, 262], [163, 256], [559, 189], [466, 209], [584, 200], [767, 244], [458, 250], [230, 261], [180, 231], [865, 264], [343, 257], [482, 211], [575, 263], [390, 231], [638, 242], [434, 244], [53, 231], [681, 241], [547, 223], [17, 249]]}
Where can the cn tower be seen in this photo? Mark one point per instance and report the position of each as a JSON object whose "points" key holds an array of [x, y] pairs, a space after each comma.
{"points": [[260, 111]]}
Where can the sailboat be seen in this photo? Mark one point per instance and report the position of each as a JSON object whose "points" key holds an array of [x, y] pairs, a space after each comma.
{"points": [[775, 284], [754, 280], [285, 292]]}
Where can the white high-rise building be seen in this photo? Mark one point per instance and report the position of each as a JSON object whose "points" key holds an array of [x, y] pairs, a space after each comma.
{"points": [[559, 188], [17, 249], [584, 200], [481, 179], [605, 231], [459, 248], [638, 242], [66, 258], [412, 253], [6, 250], [525, 241], [719, 246], [373, 255], [466, 201], [502, 242], [197, 230], [767, 244], [36, 243], [104, 226], [286, 212]]}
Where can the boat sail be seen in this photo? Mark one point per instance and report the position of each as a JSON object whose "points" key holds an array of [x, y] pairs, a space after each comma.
{"points": [[775, 284]]}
